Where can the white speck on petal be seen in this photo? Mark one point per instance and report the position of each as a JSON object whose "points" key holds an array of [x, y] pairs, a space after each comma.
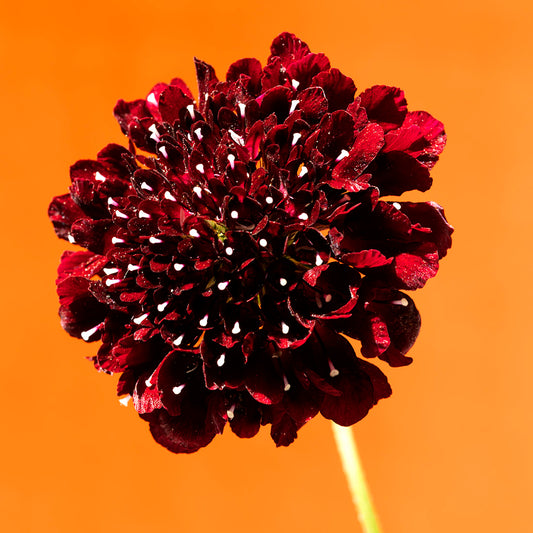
{"points": [[237, 138], [295, 138], [269, 200], [169, 196], [86, 335], [342, 155], [242, 109], [236, 328], [294, 103], [231, 159], [303, 216], [318, 260], [146, 187], [263, 242], [110, 271], [143, 214], [155, 240], [229, 250], [116, 240], [163, 150], [190, 109], [284, 328], [198, 133], [234, 214], [124, 401], [112, 202], [197, 189], [155, 134], [140, 319], [203, 321], [179, 340], [161, 307], [178, 266], [120, 214], [99, 176], [303, 171], [221, 360], [178, 389], [110, 282], [282, 282], [194, 233], [151, 98], [397, 205], [222, 285], [295, 83]]}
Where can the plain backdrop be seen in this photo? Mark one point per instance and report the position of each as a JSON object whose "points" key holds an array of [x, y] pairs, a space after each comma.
{"points": [[449, 451]]}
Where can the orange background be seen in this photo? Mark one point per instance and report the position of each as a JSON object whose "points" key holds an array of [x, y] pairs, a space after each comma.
{"points": [[450, 451]]}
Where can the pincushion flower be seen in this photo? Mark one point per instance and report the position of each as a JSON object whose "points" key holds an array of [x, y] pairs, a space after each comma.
{"points": [[239, 241]]}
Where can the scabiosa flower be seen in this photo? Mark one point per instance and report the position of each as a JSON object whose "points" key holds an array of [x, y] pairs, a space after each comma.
{"points": [[242, 237]]}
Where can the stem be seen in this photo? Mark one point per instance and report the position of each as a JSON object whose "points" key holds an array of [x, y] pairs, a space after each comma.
{"points": [[355, 476]]}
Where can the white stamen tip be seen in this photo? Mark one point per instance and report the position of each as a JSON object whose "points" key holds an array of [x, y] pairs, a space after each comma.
{"points": [[342, 155], [178, 389], [190, 109], [269, 200], [333, 372], [263, 242], [148, 383], [230, 412], [303, 216], [294, 104], [163, 150], [328, 298], [242, 109], [110, 271], [222, 285], [234, 214], [178, 266], [231, 159], [99, 176], [143, 214], [284, 328], [318, 260], [200, 168], [133, 267], [304, 170], [169, 196], [282, 282], [236, 328], [146, 187], [221, 360], [194, 233], [198, 133], [178, 341], [236, 138], [161, 307], [287, 386], [71, 239], [295, 83], [155, 240], [155, 134], [112, 202], [295, 138], [116, 240], [197, 189], [203, 321], [125, 401], [151, 98], [140, 319], [397, 205], [86, 335], [229, 250], [110, 282], [120, 214], [404, 302]]}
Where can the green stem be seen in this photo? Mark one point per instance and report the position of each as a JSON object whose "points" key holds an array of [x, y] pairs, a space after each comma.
{"points": [[355, 476]]}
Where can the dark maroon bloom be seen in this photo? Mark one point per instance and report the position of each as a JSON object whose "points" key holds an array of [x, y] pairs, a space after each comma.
{"points": [[242, 236]]}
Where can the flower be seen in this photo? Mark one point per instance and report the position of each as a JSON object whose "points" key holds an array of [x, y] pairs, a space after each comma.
{"points": [[239, 240]]}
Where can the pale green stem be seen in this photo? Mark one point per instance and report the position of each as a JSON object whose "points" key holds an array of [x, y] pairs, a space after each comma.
{"points": [[355, 476]]}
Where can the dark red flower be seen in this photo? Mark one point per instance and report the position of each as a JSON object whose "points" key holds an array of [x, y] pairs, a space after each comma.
{"points": [[242, 236]]}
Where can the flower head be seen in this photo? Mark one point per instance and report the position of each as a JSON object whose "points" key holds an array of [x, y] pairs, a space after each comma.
{"points": [[239, 240]]}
